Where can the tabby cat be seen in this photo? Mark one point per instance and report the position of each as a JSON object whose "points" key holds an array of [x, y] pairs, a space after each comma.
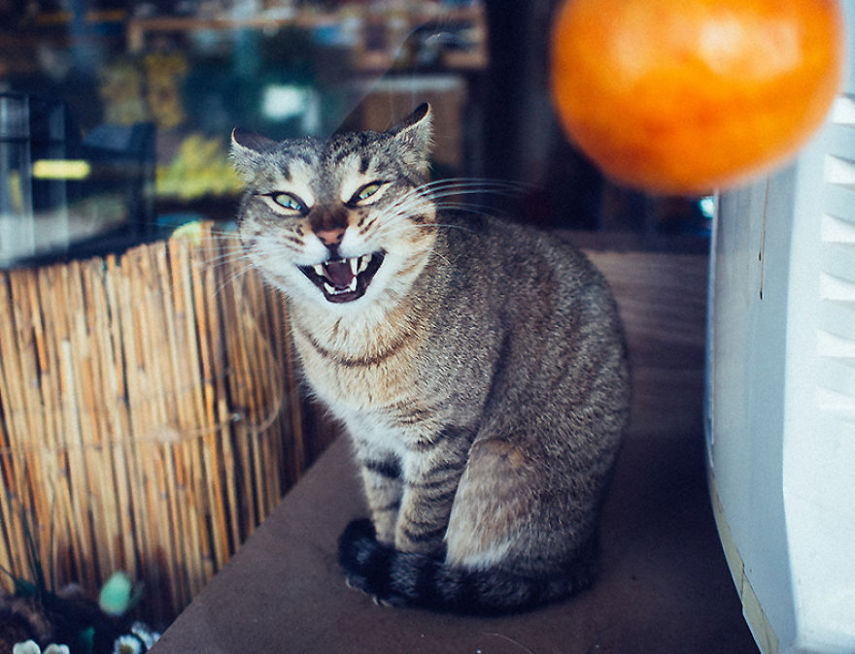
{"points": [[478, 366]]}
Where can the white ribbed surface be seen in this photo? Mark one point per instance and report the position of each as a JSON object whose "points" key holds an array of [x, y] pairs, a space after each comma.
{"points": [[781, 391], [836, 337]]}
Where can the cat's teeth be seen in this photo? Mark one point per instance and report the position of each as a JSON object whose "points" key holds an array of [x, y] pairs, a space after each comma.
{"points": [[338, 291], [354, 264], [363, 263], [319, 269]]}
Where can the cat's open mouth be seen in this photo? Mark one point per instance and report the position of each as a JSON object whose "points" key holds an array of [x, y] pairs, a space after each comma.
{"points": [[344, 280]]}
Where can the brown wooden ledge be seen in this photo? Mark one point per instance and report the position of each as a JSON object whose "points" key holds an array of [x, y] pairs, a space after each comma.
{"points": [[664, 585]]}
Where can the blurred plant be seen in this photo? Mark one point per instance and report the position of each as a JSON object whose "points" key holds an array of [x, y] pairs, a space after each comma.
{"points": [[201, 167], [35, 613]]}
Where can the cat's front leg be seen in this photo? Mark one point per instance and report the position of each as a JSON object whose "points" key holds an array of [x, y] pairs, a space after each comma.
{"points": [[381, 477], [430, 484]]}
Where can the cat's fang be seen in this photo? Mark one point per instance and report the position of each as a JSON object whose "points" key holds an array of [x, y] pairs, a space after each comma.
{"points": [[337, 279], [332, 290]]}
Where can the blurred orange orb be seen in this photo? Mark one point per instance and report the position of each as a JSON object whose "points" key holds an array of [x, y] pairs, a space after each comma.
{"points": [[685, 96]]}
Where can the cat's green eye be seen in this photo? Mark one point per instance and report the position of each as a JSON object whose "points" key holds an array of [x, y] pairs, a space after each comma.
{"points": [[288, 201], [366, 192]]}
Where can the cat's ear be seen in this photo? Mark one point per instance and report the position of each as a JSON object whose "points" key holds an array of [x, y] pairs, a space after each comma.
{"points": [[415, 134], [247, 152]]}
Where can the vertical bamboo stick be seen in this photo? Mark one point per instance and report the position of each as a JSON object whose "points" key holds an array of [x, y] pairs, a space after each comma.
{"points": [[265, 396], [98, 496], [162, 429], [145, 450], [6, 527], [185, 333], [71, 433], [20, 431], [112, 426], [281, 435], [242, 397], [51, 383], [196, 550], [37, 479], [217, 410], [169, 533], [113, 482], [281, 431], [172, 383], [102, 500], [293, 393], [12, 406], [49, 455], [126, 450]]}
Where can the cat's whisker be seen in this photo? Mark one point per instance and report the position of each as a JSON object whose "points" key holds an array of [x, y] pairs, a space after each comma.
{"points": [[469, 189], [461, 228], [444, 258], [397, 213], [483, 182], [432, 194], [457, 190], [232, 279], [237, 268], [466, 207], [222, 258], [461, 195], [402, 212]]}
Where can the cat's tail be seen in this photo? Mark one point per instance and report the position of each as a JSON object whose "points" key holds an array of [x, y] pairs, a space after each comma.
{"points": [[404, 578]]}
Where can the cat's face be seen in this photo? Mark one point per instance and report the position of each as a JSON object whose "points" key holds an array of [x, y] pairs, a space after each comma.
{"points": [[340, 222]]}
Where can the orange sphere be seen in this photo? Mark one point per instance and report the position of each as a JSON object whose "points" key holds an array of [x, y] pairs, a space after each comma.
{"points": [[684, 96]]}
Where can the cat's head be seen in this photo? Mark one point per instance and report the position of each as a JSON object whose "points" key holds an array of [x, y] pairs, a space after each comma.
{"points": [[343, 222]]}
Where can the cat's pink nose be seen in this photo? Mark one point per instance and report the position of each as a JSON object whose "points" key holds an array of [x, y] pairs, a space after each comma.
{"points": [[331, 236]]}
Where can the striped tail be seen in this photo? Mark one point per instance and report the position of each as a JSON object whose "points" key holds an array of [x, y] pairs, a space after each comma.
{"points": [[399, 578]]}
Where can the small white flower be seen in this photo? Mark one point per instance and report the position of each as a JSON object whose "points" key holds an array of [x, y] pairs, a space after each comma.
{"points": [[127, 644], [31, 647], [27, 647], [145, 634]]}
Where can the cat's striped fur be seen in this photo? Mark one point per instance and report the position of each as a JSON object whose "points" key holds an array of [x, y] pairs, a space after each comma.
{"points": [[478, 366]]}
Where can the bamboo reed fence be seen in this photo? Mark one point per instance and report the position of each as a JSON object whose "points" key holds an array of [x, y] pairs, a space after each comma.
{"points": [[148, 414]]}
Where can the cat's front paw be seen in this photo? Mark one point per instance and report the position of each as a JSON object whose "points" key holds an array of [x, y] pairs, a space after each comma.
{"points": [[366, 562], [359, 584], [356, 543]]}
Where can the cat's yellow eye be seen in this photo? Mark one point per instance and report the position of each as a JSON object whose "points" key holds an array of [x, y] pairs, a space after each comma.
{"points": [[288, 201], [366, 192]]}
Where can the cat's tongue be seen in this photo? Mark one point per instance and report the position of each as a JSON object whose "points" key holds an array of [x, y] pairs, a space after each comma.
{"points": [[339, 273]]}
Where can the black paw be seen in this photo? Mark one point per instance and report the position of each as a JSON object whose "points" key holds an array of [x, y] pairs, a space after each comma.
{"points": [[356, 543], [366, 562]]}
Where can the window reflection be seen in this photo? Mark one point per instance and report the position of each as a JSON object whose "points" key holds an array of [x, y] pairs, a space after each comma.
{"points": [[146, 93]]}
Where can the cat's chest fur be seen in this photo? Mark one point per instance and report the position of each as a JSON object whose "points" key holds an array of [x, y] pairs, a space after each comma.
{"points": [[359, 369]]}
